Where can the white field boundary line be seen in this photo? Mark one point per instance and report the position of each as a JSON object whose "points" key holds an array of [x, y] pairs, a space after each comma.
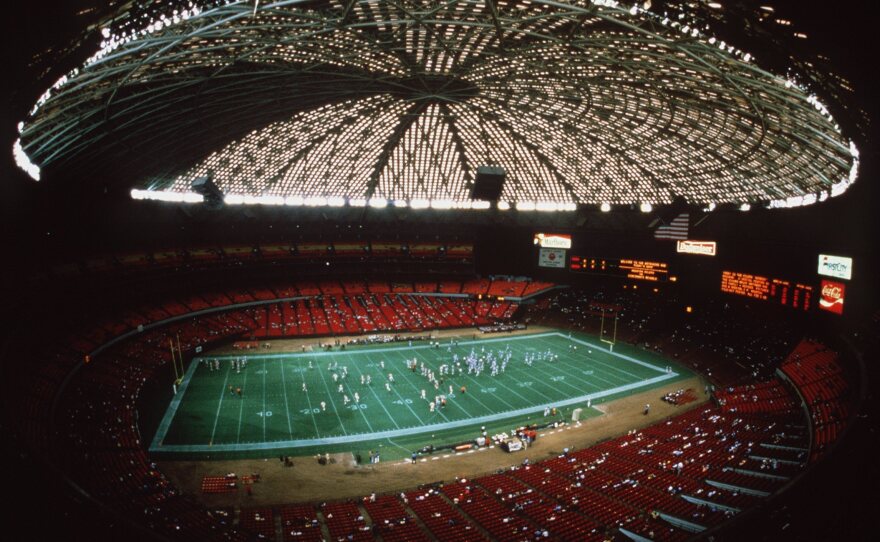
{"points": [[156, 446], [337, 352], [617, 355], [175, 403]]}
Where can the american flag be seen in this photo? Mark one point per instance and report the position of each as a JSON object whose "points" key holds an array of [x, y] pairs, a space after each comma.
{"points": [[675, 230]]}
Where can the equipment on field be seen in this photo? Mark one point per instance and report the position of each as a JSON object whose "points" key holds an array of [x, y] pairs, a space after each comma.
{"points": [[513, 445]]}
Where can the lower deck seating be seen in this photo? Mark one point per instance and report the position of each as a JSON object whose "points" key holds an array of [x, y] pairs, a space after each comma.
{"points": [[346, 522], [299, 523], [391, 520], [702, 466], [259, 521]]}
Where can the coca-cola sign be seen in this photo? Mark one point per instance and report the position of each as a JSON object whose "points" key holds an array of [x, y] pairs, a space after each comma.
{"points": [[832, 297]]}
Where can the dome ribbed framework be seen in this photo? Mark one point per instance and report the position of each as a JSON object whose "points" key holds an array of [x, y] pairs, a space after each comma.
{"points": [[578, 102]]}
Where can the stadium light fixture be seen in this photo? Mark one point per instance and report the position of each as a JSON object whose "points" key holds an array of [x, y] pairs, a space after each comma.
{"points": [[645, 207], [605, 207], [23, 162], [167, 196]]}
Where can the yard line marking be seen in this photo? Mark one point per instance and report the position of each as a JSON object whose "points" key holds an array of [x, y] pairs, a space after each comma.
{"points": [[618, 355], [607, 365], [497, 381], [264, 399], [572, 372], [402, 400], [474, 397], [373, 391], [332, 402], [219, 404], [417, 429], [241, 408], [416, 388], [365, 418], [309, 401], [617, 379], [369, 425], [286, 404], [407, 450], [451, 402]]}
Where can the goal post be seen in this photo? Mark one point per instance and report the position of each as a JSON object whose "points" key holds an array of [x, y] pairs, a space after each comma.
{"points": [[176, 364], [602, 338]]}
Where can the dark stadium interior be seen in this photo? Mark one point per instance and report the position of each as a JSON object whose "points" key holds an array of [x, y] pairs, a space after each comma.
{"points": [[74, 218]]}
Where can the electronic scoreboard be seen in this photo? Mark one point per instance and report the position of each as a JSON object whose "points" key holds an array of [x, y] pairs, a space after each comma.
{"points": [[622, 267], [794, 295]]}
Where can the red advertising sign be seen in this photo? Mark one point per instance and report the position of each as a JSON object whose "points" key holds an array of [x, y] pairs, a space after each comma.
{"points": [[832, 296]]}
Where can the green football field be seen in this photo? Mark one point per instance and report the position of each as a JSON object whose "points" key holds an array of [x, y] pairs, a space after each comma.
{"points": [[291, 403]]}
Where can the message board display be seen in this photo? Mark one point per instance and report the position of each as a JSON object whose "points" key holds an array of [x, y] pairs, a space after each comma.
{"points": [[774, 290], [622, 267]]}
